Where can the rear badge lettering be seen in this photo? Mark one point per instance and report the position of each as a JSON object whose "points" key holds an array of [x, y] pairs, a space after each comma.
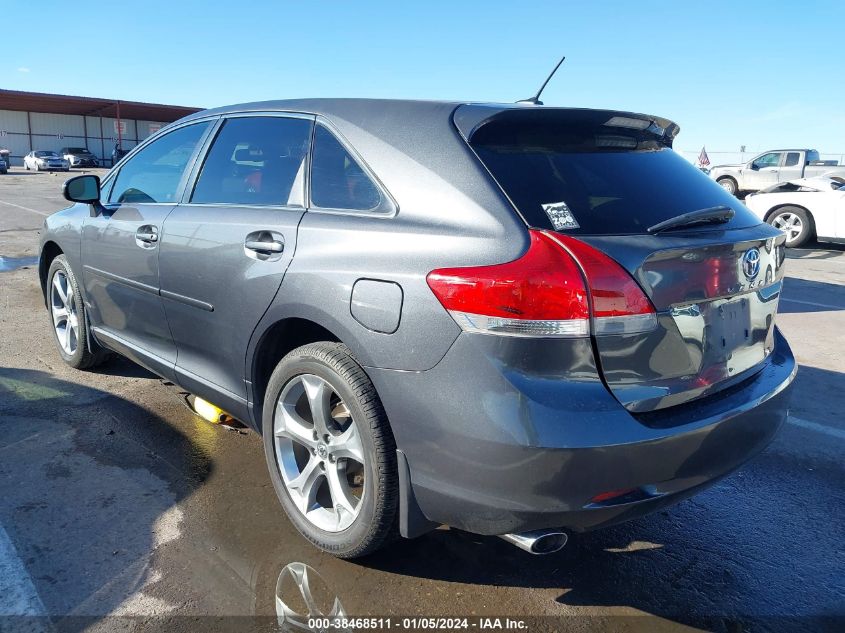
{"points": [[561, 216]]}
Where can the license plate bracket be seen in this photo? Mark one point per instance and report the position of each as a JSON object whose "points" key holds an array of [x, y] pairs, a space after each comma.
{"points": [[731, 326]]}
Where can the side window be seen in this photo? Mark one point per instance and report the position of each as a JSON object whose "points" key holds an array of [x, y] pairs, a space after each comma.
{"points": [[792, 159], [337, 180], [768, 160], [154, 173], [256, 161]]}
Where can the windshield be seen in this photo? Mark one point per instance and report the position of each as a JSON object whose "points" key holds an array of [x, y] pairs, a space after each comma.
{"points": [[592, 179], [77, 150], [46, 155]]}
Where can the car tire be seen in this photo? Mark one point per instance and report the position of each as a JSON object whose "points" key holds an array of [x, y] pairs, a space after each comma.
{"points": [[796, 222], [327, 372], [75, 349], [728, 184], [26, 165]]}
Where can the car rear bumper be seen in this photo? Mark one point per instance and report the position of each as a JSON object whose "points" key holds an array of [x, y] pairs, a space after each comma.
{"points": [[499, 439]]}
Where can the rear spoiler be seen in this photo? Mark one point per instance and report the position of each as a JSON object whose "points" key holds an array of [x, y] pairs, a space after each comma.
{"points": [[470, 118]]}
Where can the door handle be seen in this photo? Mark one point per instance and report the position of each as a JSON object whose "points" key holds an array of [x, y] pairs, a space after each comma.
{"points": [[273, 246], [146, 235]]}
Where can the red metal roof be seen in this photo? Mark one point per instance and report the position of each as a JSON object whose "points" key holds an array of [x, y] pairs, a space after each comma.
{"points": [[66, 104]]}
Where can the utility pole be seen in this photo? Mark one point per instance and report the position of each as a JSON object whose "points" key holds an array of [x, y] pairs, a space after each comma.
{"points": [[119, 134]]}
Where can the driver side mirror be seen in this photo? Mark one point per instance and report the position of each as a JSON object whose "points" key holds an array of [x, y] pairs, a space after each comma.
{"points": [[85, 189], [753, 167]]}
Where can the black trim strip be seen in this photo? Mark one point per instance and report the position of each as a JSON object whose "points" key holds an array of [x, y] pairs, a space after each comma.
{"points": [[137, 285], [194, 303], [122, 280]]}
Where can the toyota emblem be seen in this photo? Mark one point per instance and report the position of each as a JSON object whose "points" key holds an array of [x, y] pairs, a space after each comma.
{"points": [[751, 263]]}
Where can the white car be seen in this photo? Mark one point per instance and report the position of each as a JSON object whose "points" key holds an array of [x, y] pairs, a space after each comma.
{"points": [[803, 209], [45, 160]]}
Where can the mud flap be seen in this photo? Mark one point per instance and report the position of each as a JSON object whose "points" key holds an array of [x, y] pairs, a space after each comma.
{"points": [[412, 521]]}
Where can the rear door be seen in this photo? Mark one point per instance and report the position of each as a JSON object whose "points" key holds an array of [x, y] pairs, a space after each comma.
{"points": [[227, 245], [120, 248], [792, 167], [605, 178]]}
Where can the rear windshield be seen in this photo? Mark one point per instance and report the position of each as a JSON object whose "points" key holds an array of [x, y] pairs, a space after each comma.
{"points": [[587, 178]]}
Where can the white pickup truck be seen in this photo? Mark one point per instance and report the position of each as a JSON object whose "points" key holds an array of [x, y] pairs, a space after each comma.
{"points": [[770, 168]]}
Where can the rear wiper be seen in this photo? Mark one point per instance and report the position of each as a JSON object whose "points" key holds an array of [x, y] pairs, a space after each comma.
{"points": [[710, 215]]}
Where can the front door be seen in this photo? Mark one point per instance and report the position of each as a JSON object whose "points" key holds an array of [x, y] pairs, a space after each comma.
{"points": [[837, 210], [227, 246], [762, 172], [120, 249]]}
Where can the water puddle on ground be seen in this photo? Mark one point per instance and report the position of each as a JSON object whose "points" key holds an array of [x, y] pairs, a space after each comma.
{"points": [[8, 264]]}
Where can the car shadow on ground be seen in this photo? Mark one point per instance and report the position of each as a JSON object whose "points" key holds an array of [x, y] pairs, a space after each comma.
{"points": [[90, 485], [815, 296], [816, 250], [120, 366], [20, 171]]}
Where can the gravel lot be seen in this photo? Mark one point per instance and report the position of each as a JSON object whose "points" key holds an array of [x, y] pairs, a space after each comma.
{"points": [[116, 500]]}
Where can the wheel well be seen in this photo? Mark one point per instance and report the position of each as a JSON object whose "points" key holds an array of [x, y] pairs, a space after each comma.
{"points": [[282, 338], [49, 252]]}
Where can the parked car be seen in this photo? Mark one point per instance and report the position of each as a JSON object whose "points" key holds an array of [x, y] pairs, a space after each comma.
{"points": [[45, 161], [79, 157], [804, 209], [476, 315], [770, 168], [5, 160]]}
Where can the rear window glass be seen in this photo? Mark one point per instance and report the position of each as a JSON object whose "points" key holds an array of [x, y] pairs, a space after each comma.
{"points": [[584, 178]]}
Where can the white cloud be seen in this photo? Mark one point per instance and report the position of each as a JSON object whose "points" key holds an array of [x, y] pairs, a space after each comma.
{"points": [[23, 69]]}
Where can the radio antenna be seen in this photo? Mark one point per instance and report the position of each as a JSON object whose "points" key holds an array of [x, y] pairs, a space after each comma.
{"points": [[535, 100]]}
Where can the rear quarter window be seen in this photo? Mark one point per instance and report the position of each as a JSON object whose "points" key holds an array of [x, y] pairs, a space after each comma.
{"points": [[587, 178], [340, 182]]}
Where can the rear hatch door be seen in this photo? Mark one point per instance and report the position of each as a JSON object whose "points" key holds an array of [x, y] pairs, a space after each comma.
{"points": [[716, 295], [606, 178]]}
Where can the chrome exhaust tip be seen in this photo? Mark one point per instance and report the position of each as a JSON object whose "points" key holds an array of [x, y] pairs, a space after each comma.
{"points": [[538, 541]]}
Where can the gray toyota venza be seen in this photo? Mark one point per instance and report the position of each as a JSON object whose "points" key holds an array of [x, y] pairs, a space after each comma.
{"points": [[514, 320]]}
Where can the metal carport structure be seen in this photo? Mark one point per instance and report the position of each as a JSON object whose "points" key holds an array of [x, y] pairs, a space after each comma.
{"points": [[33, 120]]}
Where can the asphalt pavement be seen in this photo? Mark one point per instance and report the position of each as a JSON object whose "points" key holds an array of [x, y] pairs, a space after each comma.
{"points": [[120, 508]]}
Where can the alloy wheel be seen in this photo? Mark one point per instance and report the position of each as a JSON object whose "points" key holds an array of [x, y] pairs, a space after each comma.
{"points": [[790, 224], [728, 185], [63, 309], [319, 452]]}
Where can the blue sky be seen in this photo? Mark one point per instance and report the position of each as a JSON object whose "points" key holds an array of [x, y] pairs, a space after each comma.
{"points": [[760, 74]]}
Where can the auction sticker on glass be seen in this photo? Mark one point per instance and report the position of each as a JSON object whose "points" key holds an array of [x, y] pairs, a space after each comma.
{"points": [[561, 216]]}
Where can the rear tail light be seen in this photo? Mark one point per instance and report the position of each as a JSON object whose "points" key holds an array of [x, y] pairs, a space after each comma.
{"points": [[553, 290], [619, 306]]}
